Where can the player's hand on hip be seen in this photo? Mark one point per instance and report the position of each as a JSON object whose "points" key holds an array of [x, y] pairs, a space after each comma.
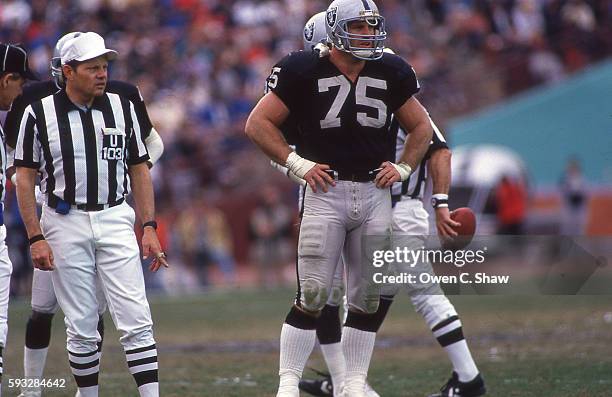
{"points": [[387, 176], [152, 247], [317, 176], [42, 255], [445, 225]]}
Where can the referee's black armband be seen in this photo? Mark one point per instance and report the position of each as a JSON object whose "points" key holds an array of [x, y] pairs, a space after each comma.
{"points": [[38, 237]]}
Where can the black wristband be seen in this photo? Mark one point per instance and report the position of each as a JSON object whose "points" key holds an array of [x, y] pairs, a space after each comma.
{"points": [[153, 224], [36, 238]]}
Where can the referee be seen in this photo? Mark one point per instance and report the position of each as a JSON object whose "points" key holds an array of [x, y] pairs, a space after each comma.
{"points": [[14, 71], [85, 143]]}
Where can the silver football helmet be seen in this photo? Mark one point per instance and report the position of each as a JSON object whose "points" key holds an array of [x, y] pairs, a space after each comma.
{"points": [[56, 60], [315, 31], [342, 12]]}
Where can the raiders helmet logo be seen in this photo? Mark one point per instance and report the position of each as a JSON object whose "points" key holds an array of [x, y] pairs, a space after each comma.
{"points": [[332, 14], [309, 31]]}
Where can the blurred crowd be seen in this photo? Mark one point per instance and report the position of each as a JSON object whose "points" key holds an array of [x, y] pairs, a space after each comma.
{"points": [[201, 66]]}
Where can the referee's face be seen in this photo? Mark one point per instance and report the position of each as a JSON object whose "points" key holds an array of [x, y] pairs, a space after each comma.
{"points": [[11, 85], [89, 77]]}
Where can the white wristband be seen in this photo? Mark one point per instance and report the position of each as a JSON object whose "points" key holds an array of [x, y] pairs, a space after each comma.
{"points": [[404, 170], [439, 200], [299, 165], [14, 179]]}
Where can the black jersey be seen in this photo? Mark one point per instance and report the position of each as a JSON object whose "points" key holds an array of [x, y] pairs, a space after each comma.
{"points": [[341, 123], [291, 132], [36, 91]]}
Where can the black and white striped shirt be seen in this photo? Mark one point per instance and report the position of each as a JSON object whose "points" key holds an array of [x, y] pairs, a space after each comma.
{"points": [[3, 160], [414, 186], [83, 155]]}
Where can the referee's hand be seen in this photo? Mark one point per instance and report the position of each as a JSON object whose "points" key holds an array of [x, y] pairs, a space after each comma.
{"points": [[387, 176], [151, 246], [317, 176], [42, 256]]}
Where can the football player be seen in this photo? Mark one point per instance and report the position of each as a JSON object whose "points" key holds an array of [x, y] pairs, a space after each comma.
{"points": [[343, 105], [410, 218]]}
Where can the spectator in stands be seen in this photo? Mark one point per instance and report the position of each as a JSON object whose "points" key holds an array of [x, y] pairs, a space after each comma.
{"points": [[271, 236], [573, 189], [511, 203]]}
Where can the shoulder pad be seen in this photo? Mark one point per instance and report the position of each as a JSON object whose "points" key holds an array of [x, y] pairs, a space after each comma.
{"points": [[36, 91], [300, 62], [394, 61], [124, 89]]}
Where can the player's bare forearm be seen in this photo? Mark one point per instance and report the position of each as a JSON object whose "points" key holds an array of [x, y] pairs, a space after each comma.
{"points": [[262, 127], [26, 199], [440, 170], [414, 119], [142, 188]]}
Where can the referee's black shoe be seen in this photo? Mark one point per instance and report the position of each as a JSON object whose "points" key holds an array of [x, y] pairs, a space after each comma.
{"points": [[455, 388], [322, 387]]}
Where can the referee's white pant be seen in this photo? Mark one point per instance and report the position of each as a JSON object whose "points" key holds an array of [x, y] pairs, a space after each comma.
{"points": [[411, 230], [87, 245], [6, 268], [43, 295]]}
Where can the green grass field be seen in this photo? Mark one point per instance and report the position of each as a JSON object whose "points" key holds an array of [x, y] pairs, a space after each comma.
{"points": [[226, 344]]}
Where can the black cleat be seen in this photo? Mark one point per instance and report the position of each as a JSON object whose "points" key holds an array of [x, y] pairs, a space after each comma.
{"points": [[318, 387], [454, 388]]}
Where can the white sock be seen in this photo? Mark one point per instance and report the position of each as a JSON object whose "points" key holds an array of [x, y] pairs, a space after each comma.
{"points": [[334, 358], [463, 363], [296, 344], [34, 361], [91, 391], [451, 338], [149, 390], [357, 346]]}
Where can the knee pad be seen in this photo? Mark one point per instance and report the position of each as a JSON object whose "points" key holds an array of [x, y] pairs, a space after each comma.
{"points": [[335, 296], [433, 308], [314, 295]]}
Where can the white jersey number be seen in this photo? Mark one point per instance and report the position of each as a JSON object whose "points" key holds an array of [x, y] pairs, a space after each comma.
{"points": [[332, 120]]}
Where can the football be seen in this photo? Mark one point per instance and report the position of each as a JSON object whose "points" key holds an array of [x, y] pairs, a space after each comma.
{"points": [[467, 219]]}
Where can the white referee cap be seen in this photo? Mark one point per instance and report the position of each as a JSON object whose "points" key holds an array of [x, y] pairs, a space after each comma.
{"points": [[84, 47]]}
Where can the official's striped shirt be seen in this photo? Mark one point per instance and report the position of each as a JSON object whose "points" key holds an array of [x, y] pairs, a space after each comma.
{"points": [[414, 186], [3, 160], [83, 155]]}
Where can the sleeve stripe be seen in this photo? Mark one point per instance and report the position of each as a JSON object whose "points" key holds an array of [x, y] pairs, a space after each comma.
{"points": [[137, 152], [25, 141]]}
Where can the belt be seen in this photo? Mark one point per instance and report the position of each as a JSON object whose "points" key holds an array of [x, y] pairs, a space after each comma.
{"points": [[359, 176], [395, 198], [54, 202]]}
